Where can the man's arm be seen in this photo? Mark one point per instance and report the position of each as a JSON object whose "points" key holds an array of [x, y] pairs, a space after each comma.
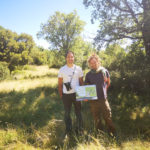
{"points": [[60, 86], [108, 79], [108, 82], [81, 81], [86, 81]]}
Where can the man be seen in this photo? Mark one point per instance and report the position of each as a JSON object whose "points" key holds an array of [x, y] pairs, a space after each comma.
{"points": [[100, 77], [69, 77]]}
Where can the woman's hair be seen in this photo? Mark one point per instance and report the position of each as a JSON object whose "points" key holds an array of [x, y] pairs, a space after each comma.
{"points": [[68, 53], [94, 56]]}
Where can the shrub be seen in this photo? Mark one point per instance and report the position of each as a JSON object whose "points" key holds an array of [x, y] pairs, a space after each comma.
{"points": [[4, 71]]}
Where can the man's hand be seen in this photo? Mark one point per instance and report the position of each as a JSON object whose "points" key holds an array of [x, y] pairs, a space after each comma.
{"points": [[60, 86], [60, 96], [85, 100]]}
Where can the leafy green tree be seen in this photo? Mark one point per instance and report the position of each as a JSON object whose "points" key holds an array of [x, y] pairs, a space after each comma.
{"points": [[11, 43], [62, 30], [38, 57], [7, 44], [1, 28], [135, 70], [25, 42], [56, 59], [14, 61], [112, 57], [4, 71], [82, 50], [121, 19], [14, 48]]}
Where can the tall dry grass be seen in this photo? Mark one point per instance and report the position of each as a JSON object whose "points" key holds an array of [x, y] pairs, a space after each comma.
{"points": [[40, 76], [31, 117]]}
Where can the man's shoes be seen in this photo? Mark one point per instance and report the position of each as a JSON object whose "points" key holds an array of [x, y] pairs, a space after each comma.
{"points": [[68, 135], [116, 138], [78, 132]]}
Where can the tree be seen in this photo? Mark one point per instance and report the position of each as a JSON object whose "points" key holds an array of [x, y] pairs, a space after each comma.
{"points": [[4, 71], [121, 19], [61, 30], [1, 28], [112, 57], [12, 43], [7, 44], [39, 56], [82, 50], [25, 41]]}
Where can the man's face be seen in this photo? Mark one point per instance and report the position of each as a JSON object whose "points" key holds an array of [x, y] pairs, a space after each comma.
{"points": [[70, 58], [94, 64]]}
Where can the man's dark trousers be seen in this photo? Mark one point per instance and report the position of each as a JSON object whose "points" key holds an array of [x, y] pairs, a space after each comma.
{"points": [[68, 100]]}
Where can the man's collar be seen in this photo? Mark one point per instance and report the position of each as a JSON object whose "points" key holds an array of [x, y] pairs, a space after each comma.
{"points": [[93, 71], [70, 66], [98, 70]]}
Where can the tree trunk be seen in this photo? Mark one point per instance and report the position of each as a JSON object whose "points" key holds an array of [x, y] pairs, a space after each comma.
{"points": [[146, 26]]}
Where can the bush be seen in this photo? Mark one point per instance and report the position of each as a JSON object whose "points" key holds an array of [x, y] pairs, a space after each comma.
{"points": [[4, 71]]}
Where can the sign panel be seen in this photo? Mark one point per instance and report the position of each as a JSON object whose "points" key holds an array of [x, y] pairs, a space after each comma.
{"points": [[86, 92]]}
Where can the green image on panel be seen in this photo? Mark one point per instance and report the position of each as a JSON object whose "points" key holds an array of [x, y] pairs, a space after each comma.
{"points": [[90, 91], [78, 96]]}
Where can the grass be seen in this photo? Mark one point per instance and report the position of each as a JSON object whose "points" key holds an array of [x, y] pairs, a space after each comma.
{"points": [[130, 145], [31, 117], [26, 84], [40, 76]]}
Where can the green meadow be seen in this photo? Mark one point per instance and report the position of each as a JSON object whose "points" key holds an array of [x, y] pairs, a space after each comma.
{"points": [[31, 116]]}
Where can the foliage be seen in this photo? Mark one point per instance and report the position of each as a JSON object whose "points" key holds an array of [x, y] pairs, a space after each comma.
{"points": [[11, 43], [82, 51], [121, 19], [1, 28], [38, 57], [4, 71], [112, 57], [133, 73], [14, 48], [31, 117], [33, 95], [57, 59], [18, 60], [62, 30]]}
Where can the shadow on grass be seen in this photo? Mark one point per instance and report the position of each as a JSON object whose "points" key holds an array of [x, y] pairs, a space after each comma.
{"points": [[36, 107], [50, 75], [131, 114]]}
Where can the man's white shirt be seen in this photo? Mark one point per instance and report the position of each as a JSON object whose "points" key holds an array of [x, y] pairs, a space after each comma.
{"points": [[67, 73]]}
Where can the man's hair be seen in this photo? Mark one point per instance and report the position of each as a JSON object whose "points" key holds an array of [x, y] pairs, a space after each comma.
{"points": [[68, 53], [94, 56]]}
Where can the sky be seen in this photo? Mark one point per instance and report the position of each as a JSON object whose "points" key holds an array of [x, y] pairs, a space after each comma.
{"points": [[26, 16]]}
